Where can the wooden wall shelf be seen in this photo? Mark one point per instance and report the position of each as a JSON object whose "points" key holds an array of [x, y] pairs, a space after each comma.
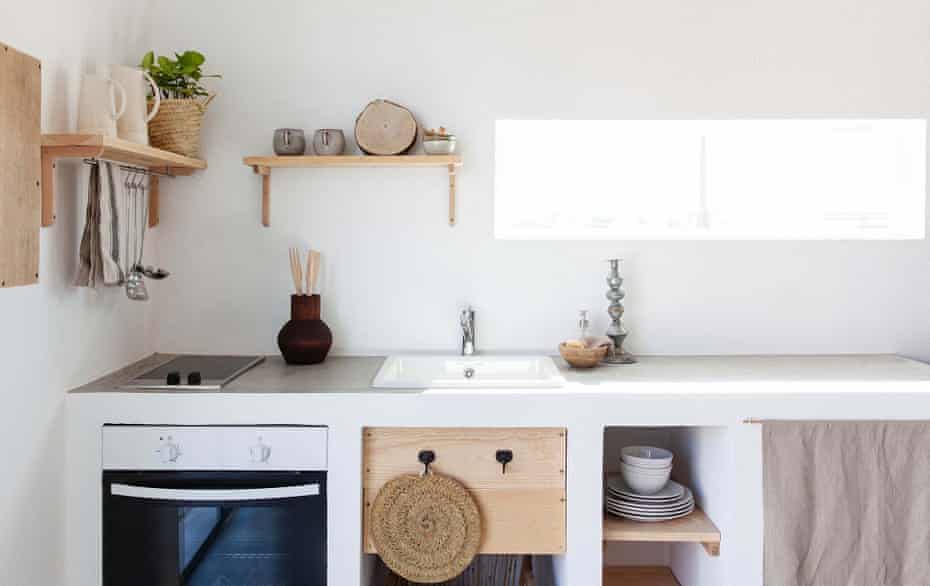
{"points": [[115, 150], [264, 165], [639, 576], [695, 528]]}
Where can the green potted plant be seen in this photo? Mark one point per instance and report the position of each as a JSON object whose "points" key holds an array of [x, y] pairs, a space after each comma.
{"points": [[184, 99]]}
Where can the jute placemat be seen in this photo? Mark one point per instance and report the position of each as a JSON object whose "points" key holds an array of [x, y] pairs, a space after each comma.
{"points": [[427, 529]]}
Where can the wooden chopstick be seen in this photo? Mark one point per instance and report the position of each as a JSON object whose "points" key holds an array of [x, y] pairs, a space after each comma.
{"points": [[313, 269], [300, 272], [295, 268]]}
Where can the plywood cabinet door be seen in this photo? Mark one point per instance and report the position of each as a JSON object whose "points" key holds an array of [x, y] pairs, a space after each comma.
{"points": [[522, 507], [20, 167]]}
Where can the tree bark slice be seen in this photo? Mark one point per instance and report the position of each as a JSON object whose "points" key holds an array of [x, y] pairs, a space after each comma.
{"points": [[385, 128]]}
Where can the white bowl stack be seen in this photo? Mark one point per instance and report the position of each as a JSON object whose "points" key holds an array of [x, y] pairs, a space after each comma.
{"points": [[646, 469], [643, 490]]}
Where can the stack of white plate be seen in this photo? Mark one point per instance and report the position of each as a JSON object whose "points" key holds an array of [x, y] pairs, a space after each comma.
{"points": [[672, 502]]}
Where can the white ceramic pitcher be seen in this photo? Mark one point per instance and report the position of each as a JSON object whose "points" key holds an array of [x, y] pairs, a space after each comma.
{"points": [[97, 111], [134, 123]]}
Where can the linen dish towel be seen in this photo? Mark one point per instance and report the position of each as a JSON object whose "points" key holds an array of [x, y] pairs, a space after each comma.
{"points": [[98, 257], [846, 503]]}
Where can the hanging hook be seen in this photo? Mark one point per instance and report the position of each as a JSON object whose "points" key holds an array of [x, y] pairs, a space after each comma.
{"points": [[426, 457]]}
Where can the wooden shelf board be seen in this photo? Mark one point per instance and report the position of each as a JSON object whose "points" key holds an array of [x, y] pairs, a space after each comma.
{"points": [[695, 528], [117, 150], [355, 161], [263, 166], [639, 576]]}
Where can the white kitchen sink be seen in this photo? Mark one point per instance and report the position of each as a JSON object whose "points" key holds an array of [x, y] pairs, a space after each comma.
{"points": [[464, 372]]}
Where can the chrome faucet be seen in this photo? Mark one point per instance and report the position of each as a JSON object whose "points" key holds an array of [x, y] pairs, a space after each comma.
{"points": [[467, 320]]}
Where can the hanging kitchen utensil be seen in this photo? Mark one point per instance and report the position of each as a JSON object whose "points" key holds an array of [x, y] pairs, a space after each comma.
{"points": [[135, 279], [426, 528]]}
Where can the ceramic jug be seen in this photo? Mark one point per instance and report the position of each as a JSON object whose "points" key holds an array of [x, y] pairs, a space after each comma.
{"points": [[97, 111], [133, 125]]}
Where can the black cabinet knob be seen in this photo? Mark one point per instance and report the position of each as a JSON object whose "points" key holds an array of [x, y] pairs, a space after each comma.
{"points": [[194, 379], [173, 378]]}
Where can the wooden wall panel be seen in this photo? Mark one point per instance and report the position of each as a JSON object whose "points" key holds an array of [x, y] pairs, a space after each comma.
{"points": [[20, 167]]}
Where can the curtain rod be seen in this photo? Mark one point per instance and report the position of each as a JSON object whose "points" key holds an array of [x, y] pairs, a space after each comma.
{"points": [[130, 168]]}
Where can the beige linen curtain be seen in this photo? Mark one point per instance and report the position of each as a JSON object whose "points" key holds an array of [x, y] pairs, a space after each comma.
{"points": [[847, 503]]}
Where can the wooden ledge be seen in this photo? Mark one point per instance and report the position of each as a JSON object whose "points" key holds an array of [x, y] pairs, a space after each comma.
{"points": [[695, 528], [116, 150]]}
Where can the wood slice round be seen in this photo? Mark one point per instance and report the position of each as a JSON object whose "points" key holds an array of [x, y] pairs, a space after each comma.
{"points": [[385, 128], [426, 529]]}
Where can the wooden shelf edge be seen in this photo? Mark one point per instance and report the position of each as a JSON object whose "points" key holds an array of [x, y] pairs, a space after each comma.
{"points": [[118, 151], [309, 161], [96, 146], [695, 528], [639, 576]]}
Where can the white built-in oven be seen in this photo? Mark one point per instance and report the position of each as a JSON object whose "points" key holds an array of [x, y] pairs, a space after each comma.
{"points": [[214, 506]]}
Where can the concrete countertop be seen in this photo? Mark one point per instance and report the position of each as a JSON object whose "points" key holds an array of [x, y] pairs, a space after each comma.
{"points": [[729, 374]]}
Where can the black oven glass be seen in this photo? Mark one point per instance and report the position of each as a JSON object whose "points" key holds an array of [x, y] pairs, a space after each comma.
{"points": [[158, 530]]}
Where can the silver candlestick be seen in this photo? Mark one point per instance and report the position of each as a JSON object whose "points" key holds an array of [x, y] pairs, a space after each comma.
{"points": [[616, 332]]}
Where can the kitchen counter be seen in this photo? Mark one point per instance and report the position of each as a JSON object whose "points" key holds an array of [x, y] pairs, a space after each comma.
{"points": [[714, 402], [723, 374]]}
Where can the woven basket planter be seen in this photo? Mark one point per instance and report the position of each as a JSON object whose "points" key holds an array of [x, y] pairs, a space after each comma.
{"points": [[176, 127]]}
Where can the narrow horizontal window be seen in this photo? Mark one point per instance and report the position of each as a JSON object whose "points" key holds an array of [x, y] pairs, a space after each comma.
{"points": [[710, 179]]}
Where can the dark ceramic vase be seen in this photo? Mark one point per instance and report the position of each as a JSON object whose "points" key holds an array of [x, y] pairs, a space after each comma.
{"points": [[305, 339]]}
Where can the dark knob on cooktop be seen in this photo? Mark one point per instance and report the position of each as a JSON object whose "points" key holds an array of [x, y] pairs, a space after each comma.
{"points": [[173, 378], [194, 379]]}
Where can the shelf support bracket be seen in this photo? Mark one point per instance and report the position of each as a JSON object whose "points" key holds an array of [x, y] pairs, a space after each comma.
{"points": [[50, 156], [265, 172], [712, 549], [451, 195], [154, 195]]}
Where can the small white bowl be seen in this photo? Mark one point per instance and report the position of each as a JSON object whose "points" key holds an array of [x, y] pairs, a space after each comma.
{"points": [[439, 146], [647, 457], [643, 481]]}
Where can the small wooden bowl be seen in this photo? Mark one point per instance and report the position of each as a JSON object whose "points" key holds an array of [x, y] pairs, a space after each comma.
{"points": [[582, 357]]}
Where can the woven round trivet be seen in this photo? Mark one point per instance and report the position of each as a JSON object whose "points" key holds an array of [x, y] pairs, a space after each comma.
{"points": [[427, 529]]}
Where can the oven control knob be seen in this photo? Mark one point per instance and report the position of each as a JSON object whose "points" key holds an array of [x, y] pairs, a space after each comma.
{"points": [[169, 452], [260, 453]]}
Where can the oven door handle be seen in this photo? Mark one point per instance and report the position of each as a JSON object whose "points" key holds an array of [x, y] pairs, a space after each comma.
{"points": [[220, 494]]}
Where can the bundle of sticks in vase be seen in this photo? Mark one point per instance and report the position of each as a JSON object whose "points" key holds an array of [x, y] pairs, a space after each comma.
{"points": [[304, 284], [305, 339]]}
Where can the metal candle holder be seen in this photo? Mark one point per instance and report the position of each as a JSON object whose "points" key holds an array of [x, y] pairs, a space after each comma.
{"points": [[616, 332]]}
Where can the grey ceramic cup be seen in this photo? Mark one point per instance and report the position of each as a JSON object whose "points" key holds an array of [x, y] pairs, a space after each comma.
{"points": [[289, 141], [329, 141]]}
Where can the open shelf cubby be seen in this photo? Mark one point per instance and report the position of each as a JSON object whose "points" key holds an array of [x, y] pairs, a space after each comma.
{"points": [[639, 576], [664, 553]]}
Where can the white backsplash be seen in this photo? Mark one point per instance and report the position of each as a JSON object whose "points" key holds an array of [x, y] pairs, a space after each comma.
{"points": [[396, 274]]}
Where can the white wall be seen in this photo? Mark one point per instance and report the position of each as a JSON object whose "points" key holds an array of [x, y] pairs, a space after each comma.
{"points": [[396, 274], [54, 336]]}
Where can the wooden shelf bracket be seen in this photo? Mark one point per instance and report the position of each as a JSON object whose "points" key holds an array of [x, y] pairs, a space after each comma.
{"points": [[452, 195], [265, 172]]}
